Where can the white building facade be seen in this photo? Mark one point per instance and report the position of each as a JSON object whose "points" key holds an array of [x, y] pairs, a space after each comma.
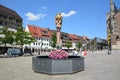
{"points": [[42, 43]]}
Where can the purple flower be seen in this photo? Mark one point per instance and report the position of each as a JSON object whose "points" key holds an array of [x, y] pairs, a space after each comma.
{"points": [[58, 54]]}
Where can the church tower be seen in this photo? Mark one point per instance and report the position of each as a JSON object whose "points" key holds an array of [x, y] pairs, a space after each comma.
{"points": [[112, 19], [113, 26]]}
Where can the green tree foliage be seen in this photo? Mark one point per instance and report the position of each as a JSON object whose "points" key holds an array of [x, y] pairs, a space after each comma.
{"points": [[7, 36], [53, 40], [79, 45], [22, 37], [68, 44]]}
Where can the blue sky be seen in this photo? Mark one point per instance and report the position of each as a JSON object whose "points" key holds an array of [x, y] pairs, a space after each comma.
{"points": [[81, 17]]}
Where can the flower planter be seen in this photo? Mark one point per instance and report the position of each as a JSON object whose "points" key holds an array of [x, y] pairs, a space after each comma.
{"points": [[43, 64]]}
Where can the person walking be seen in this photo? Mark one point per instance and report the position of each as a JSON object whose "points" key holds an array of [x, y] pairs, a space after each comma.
{"points": [[75, 53], [38, 51], [84, 53]]}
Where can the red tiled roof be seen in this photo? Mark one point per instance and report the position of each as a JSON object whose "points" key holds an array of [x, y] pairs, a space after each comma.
{"points": [[74, 37], [51, 32], [38, 32], [86, 38]]}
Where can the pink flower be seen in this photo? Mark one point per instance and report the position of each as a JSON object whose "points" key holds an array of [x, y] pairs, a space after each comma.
{"points": [[58, 54]]}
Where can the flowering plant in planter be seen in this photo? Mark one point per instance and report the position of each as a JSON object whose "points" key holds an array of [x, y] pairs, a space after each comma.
{"points": [[58, 54]]}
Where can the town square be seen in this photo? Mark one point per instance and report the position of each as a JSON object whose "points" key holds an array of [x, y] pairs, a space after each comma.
{"points": [[79, 41]]}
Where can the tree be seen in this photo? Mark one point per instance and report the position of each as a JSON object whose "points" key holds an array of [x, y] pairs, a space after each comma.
{"points": [[79, 45], [53, 40], [68, 44], [22, 37], [7, 36]]}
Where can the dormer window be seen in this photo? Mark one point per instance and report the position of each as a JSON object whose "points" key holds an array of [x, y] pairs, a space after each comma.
{"points": [[35, 34], [45, 32]]}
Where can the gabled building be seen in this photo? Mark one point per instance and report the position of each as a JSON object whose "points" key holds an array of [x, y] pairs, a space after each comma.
{"points": [[113, 25], [43, 36], [74, 39]]}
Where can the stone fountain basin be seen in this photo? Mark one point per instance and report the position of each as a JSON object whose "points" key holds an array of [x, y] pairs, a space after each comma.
{"points": [[43, 64]]}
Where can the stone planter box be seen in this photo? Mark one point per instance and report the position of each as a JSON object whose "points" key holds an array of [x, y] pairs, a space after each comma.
{"points": [[43, 64]]}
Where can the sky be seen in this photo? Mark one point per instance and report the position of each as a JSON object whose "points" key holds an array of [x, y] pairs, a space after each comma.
{"points": [[80, 17]]}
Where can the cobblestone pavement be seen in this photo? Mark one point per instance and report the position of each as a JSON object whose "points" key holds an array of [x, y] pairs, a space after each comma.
{"points": [[98, 66]]}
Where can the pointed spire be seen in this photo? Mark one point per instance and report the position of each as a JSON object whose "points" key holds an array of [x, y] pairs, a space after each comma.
{"points": [[112, 6], [111, 1]]}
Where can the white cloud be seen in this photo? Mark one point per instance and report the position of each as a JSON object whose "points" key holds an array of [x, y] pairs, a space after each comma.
{"points": [[32, 16], [68, 14]]}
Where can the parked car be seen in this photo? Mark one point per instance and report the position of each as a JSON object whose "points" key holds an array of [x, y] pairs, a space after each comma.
{"points": [[27, 51], [14, 51]]}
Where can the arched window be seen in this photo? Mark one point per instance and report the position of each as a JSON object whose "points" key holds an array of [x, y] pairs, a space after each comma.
{"points": [[117, 37]]}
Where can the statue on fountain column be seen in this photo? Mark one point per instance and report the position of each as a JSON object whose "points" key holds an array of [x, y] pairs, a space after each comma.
{"points": [[58, 22]]}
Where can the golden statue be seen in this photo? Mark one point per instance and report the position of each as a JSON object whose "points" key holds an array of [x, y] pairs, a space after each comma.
{"points": [[58, 21]]}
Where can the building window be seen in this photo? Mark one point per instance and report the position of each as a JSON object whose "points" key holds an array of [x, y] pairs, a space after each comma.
{"points": [[38, 43], [33, 43], [117, 37], [1, 22], [4, 17], [17, 21], [45, 32], [0, 15]]}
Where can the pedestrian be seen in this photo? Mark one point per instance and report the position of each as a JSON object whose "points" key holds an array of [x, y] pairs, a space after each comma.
{"points": [[84, 53], [32, 50], [38, 51], [92, 50], [75, 52]]}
